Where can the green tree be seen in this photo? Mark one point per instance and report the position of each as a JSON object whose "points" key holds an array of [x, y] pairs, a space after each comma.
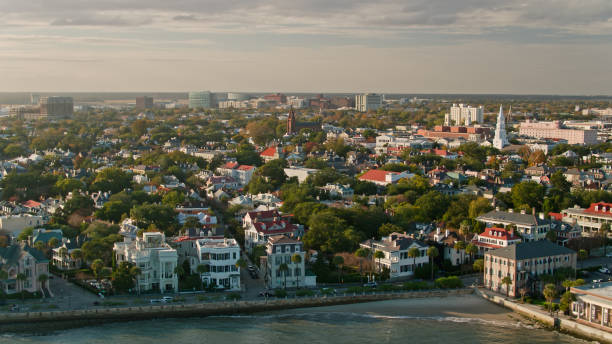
{"points": [[97, 266], [479, 206], [388, 228], [296, 259], [551, 235], [472, 250], [67, 185], [111, 179], [604, 229], [284, 268], [338, 261], [559, 182], [527, 194], [582, 255], [362, 253], [113, 211], [550, 292], [432, 253], [478, 265], [201, 269], [414, 253], [53, 243], [460, 246], [21, 278], [379, 255], [173, 198], [507, 281]]}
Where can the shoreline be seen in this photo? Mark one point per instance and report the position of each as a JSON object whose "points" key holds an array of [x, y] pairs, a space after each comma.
{"points": [[561, 325], [33, 321]]}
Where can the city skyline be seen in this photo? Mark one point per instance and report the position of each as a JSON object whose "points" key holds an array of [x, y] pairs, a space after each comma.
{"points": [[498, 47]]}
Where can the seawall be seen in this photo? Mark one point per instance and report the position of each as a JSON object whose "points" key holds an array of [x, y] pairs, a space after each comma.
{"points": [[64, 319], [564, 325]]}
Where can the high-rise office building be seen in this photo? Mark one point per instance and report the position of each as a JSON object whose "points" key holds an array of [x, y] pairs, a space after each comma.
{"points": [[463, 114], [201, 99], [368, 101], [144, 102], [56, 107]]}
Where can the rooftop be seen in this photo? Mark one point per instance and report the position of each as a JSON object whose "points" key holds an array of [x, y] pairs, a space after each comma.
{"points": [[529, 250]]}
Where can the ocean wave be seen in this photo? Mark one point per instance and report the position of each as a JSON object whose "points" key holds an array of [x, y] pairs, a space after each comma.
{"points": [[318, 316]]}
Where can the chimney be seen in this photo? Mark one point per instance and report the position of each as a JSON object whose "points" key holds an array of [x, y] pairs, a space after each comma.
{"points": [[446, 233], [523, 211], [511, 231], [541, 216], [511, 210], [533, 211]]}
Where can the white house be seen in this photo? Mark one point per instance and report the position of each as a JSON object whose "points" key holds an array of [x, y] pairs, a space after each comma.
{"points": [[279, 250], [155, 258], [219, 256], [395, 248]]}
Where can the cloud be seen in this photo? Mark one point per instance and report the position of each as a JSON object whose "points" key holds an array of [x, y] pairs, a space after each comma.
{"points": [[331, 16]]}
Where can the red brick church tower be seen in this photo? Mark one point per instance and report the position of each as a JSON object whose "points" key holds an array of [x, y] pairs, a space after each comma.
{"points": [[291, 122]]}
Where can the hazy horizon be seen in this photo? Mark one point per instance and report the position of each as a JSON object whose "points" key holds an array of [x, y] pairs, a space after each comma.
{"points": [[547, 47]]}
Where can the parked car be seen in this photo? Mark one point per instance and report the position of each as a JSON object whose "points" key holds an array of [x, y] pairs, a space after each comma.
{"points": [[167, 299], [266, 293], [597, 280], [370, 285], [604, 270], [155, 301], [609, 255]]}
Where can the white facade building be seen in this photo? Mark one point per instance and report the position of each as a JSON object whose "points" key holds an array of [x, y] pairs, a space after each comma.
{"points": [[367, 102], [396, 247], [219, 256], [279, 250], [155, 258], [466, 115]]}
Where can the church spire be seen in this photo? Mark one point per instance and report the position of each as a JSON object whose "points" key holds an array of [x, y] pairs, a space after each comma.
{"points": [[500, 139]]}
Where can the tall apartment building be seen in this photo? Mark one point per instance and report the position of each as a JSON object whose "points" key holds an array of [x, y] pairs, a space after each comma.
{"points": [[144, 102], [466, 115], [532, 227], [56, 107], [368, 101], [155, 258], [553, 130], [201, 99]]}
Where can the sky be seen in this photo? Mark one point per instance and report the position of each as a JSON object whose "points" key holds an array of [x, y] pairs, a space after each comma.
{"points": [[387, 46]]}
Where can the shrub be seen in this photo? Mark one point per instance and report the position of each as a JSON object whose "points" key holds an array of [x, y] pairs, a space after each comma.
{"points": [[416, 285], [304, 292], [233, 296], [280, 293], [449, 282]]}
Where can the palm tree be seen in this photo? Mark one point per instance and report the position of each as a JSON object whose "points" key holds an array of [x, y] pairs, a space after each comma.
{"points": [[284, 268], [21, 277], [361, 253], [603, 231], [134, 273], [472, 250], [201, 269], [241, 263], [297, 260], [507, 281], [379, 255], [53, 242], [97, 266], [582, 255], [43, 278], [550, 292], [567, 284], [39, 245], [460, 246], [414, 253], [339, 261], [179, 271], [76, 255], [432, 253]]}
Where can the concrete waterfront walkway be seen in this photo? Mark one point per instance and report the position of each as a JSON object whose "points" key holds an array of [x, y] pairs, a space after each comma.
{"points": [[562, 323]]}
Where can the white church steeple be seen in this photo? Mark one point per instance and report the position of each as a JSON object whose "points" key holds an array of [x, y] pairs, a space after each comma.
{"points": [[500, 139]]}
